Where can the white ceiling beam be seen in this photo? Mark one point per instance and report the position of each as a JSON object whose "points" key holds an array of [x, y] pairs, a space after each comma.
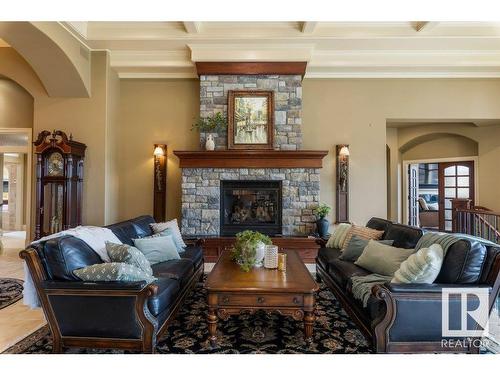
{"points": [[250, 52], [308, 27], [192, 27], [424, 26]]}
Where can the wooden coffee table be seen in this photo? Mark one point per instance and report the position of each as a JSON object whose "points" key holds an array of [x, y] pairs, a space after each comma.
{"points": [[232, 291]]}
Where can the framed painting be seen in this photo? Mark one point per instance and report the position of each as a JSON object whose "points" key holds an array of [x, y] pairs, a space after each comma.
{"points": [[250, 119]]}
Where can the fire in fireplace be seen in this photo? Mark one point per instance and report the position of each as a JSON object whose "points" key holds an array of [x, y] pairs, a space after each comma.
{"points": [[254, 205]]}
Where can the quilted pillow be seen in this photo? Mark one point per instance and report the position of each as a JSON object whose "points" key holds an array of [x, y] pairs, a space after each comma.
{"points": [[422, 267], [123, 253], [157, 249], [336, 240], [362, 232], [112, 272], [174, 227]]}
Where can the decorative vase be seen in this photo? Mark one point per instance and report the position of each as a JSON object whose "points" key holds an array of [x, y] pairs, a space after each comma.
{"points": [[260, 253], [271, 257], [322, 226], [210, 143]]}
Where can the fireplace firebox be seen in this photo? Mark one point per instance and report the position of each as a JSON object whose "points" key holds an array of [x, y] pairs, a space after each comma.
{"points": [[254, 205]]}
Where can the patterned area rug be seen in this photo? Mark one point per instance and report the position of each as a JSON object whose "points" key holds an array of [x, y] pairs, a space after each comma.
{"points": [[11, 291], [248, 333]]}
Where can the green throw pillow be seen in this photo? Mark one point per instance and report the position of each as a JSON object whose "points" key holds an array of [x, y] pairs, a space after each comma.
{"points": [[356, 246], [157, 249], [338, 236], [123, 253], [423, 267], [112, 272], [382, 259], [169, 232]]}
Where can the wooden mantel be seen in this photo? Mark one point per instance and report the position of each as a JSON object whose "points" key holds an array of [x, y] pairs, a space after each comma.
{"points": [[251, 159]]}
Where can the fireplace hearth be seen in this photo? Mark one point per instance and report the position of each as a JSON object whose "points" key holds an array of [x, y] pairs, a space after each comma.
{"points": [[251, 205]]}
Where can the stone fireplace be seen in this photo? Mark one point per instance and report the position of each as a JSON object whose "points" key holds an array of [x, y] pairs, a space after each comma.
{"points": [[272, 191]]}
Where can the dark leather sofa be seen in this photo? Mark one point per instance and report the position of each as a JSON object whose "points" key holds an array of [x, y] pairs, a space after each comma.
{"points": [[406, 318], [126, 315]]}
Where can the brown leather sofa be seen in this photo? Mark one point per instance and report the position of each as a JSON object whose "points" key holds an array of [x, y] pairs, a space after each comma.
{"points": [[406, 318]]}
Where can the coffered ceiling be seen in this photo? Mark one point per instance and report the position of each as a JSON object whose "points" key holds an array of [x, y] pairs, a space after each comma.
{"points": [[332, 49]]}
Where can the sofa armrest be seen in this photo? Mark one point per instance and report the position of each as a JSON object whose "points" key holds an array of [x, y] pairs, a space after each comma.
{"points": [[413, 315], [427, 288], [135, 286], [321, 242], [194, 241]]}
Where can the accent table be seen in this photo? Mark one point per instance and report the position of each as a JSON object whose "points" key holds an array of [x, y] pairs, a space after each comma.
{"points": [[232, 291]]}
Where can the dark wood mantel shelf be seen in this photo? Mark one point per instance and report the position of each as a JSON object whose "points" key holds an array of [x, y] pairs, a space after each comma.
{"points": [[251, 159]]}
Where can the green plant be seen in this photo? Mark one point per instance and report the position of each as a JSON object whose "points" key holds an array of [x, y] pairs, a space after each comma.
{"points": [[212, 123], [244, 249], [322, 211]]}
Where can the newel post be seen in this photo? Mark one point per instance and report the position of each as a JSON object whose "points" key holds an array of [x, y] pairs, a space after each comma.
{"points": [[458, 204]]}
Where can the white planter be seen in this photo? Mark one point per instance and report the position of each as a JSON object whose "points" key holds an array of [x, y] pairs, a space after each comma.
{"points": [[260, 253]]}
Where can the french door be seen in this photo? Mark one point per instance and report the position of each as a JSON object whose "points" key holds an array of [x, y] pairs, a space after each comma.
{"points": [[413, 195], [456, 180]]}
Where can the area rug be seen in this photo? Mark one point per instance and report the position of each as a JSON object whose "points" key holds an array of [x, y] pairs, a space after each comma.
{"points": [[248, 333], [11, 291]]}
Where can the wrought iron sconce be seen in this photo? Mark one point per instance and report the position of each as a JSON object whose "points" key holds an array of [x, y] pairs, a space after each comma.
{"points": [[342, 177], [160, 182]]}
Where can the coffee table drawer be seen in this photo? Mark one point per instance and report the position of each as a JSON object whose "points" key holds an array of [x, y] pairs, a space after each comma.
{"points": [[260, 300]]}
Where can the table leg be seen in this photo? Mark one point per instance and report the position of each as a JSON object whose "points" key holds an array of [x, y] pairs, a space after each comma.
{"points": [[308, 325], [212, 326]]}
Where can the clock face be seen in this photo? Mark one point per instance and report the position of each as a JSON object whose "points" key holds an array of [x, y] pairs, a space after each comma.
{"points": [[55, 164]]}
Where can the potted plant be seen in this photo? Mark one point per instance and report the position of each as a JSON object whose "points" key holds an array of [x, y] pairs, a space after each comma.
{"points": [[209, 125], [322, 224], [249, 249]]}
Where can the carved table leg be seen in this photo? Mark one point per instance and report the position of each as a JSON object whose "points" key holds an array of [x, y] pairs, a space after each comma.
{"points": [[212, 326], [308, 325]]}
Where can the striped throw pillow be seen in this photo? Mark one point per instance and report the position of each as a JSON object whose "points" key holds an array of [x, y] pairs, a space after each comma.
{"points": [[336, 240], [362, 232], [423, 267]]}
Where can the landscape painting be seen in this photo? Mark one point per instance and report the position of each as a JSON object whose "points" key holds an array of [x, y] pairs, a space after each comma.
{"points": [[250, 119]]}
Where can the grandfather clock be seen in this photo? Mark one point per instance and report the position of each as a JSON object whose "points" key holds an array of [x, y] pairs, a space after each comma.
{"points": [[59, 180]]}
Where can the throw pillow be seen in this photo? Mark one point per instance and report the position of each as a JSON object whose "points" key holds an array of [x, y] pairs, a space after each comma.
{"points": [[174, 227], [363, 232], [356, 246], [123, 253], [338, 236], [112, 272], [169, 232], [421, 267], [382, 259], [157, 249]]}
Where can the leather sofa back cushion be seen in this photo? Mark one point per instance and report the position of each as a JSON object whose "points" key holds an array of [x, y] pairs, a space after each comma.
{"points": [[65, 254], [403, 236], [134, 228], [462, 263], [378, 224]]}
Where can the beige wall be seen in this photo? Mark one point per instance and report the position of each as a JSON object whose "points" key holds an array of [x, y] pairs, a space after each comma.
{"points": [[16, 105], [153, 111], [446, 146]]}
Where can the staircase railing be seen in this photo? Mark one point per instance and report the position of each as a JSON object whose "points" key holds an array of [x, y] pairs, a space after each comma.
{"points": [[476, 221]]}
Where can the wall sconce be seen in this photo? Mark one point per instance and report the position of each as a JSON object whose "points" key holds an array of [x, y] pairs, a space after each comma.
{"points": [[160, 182], [342, 177]]}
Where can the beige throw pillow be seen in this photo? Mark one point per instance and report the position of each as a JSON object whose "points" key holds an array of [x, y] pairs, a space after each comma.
{"points": [[422, 267], [382, 259], [336, 240], [173, 226], [362, 232]]}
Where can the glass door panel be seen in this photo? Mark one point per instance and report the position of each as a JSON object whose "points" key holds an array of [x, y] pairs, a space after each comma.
{"points": [[455, 181]]}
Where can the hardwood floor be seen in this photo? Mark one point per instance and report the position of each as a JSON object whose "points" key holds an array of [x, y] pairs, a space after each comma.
{"points": [[16, 321]]}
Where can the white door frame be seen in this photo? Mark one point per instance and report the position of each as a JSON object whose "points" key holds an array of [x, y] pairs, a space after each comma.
{"points": [[28, 150], [404, 173]]}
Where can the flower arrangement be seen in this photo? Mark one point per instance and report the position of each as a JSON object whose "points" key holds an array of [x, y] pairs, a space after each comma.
{"points": [[245, 248], [322, 211]]}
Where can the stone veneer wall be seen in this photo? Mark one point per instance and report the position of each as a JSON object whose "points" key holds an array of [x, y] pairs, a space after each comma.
{"points": [[287, 104], [201, 197]]}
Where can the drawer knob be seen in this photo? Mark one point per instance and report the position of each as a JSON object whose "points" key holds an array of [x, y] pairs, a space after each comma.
{"points": [[296, 300], [225, 299], [260, 299]]}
